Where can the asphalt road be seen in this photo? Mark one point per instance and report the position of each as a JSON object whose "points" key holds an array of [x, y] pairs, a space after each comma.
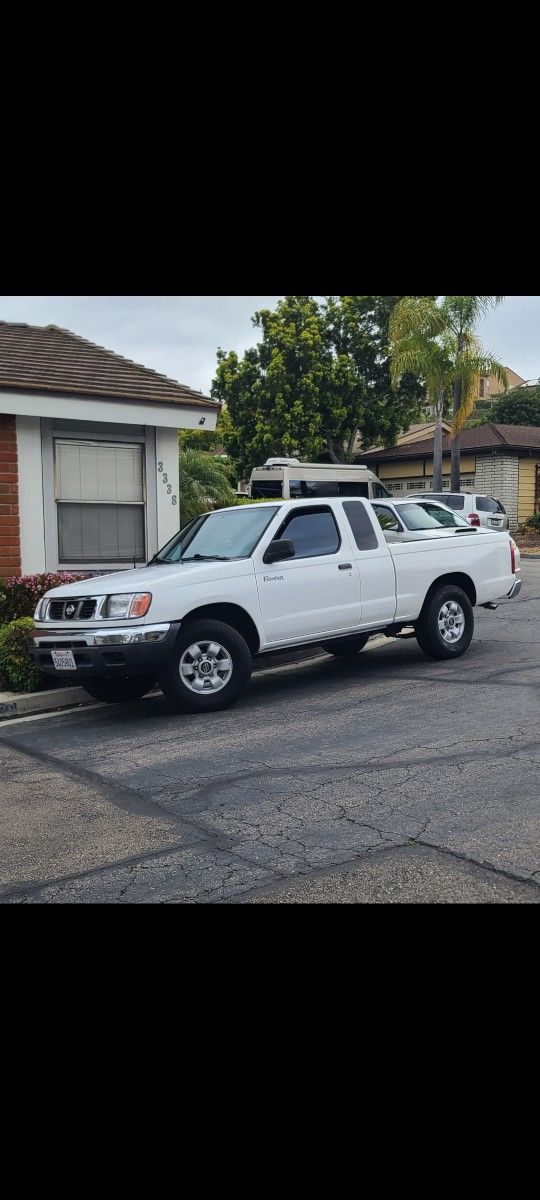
{"points": [[385, 779]]}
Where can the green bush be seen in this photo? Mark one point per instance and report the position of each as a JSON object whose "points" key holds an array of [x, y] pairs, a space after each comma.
{"points": [[257, 500], [16, 666], [534, 522]]}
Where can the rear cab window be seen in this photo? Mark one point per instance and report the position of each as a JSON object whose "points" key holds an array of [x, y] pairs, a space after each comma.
{"points": [[362, 529]]}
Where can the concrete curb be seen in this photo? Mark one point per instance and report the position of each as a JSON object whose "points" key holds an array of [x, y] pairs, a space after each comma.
{"points": [[19, 705]]}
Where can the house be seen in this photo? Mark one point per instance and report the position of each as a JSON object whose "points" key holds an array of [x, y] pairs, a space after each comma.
{"points": [[500, 460], [489, 387], [415, 433], [89, 473]]}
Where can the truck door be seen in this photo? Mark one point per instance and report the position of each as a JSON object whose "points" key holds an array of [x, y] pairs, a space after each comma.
{"points": [[316, 592], [375, 566]]}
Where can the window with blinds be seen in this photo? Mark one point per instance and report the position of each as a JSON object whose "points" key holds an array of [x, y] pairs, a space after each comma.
{"points": [[99, 489]]}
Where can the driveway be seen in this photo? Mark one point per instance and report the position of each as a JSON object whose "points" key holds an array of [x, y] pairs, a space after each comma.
{"points": [[387, 779]]}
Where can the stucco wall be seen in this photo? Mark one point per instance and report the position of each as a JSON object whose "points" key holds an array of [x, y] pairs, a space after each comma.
{"points": [[167, 483], [31, 495]]}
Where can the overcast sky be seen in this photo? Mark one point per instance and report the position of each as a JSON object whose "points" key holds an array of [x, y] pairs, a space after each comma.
{"points": [[179, 335]]}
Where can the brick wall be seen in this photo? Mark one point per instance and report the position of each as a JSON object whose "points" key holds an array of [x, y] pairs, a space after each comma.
{"points": [[10, 546], [498, 475]]}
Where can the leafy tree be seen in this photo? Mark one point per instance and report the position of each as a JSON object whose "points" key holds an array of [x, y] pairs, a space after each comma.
{"points": [[518, 407], [204, 484], [206, 439], [364, 399], [319, 374]]}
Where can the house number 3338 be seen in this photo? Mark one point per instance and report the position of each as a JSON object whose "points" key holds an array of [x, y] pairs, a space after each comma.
{"points": [[165, 481]]}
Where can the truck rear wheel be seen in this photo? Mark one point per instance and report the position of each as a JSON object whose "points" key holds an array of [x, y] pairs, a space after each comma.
{"points": [[114, 691], [209, 667], [446, 624], [346, 646]]}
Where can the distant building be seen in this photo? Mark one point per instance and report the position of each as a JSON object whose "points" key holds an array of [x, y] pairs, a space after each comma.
{"points": [[498, 460], [489, 387]]}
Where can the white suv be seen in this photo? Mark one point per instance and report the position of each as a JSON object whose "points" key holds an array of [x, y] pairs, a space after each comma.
{"points": [[476, 508]]}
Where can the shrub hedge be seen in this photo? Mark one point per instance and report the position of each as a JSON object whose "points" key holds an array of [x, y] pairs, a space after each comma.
{"points": [[16, 667]]}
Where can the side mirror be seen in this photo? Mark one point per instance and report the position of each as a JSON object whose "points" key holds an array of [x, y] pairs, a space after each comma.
{"points": [[279, 550]]}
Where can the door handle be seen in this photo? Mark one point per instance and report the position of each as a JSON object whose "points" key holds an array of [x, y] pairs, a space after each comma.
{"points": [[345, 567]]}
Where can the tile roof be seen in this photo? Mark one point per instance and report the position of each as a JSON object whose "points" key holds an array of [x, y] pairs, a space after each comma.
{"points": [[45, 358], [484, 437]]}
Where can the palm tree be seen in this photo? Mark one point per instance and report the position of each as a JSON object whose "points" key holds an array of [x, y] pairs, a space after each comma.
{"points": [[204, 484], [418, 345], [438, 341], [461, 315]]}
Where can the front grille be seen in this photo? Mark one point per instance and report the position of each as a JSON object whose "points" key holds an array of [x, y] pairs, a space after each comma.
{"points": [[79, 610]]}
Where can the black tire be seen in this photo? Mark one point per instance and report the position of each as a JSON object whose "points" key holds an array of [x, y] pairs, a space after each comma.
{"points": [[117, 690], [458, 615], [346, 646], [229, 670]]}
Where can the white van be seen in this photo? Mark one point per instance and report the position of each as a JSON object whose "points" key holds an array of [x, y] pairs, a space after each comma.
{"points": [[289, 479]]}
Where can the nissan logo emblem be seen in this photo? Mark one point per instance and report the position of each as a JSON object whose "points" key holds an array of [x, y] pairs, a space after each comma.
{"points": [[70, 609]]}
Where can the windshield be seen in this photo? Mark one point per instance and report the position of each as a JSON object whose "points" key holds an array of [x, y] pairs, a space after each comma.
{"points": [[429, 516], [229, 533]]}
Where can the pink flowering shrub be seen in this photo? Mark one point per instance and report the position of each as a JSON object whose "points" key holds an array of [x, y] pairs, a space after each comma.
{"points": [[20, 594]]}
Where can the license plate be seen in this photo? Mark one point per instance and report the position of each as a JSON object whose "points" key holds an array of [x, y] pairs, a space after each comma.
{"points": [[498, 523], [63, 660]]}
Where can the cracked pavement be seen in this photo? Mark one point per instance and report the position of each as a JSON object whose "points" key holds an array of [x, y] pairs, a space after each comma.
{"points": [[385, 779]]}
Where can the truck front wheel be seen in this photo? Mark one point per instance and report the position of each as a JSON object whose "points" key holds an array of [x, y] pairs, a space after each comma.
{"points": [[446, 624], [209, 667]]}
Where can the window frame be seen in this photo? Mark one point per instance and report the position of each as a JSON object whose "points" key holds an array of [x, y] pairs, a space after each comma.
{"points": [[63, 429], [381, 504], [302, 512]]}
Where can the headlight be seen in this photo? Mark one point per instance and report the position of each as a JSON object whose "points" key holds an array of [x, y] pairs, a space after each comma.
{"points": [[132, 605]]}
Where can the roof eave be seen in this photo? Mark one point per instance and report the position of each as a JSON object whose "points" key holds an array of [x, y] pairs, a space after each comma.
{"points": [[189, 401]]}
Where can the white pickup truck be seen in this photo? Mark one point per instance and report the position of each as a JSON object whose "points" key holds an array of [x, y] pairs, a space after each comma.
{"points": [[254, 579]]}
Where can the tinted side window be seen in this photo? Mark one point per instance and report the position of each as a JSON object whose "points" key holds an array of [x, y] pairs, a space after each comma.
{"points": [[387, 519], [310, 489], [453, 501], [364, 533], [312, 533], [353, 489], [379, 491]]}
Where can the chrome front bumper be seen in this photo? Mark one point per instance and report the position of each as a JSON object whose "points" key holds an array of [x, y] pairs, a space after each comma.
{"points": [[113, 636]]}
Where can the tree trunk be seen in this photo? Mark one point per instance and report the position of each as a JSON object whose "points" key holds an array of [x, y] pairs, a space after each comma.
{"points": [[455, 476], [437, 443], [350, 446], [330, 448]]}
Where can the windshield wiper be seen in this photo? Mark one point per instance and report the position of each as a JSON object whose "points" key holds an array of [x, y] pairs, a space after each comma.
{"points": [[206, 558]]}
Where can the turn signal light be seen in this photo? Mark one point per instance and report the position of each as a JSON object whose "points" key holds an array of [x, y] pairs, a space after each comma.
{"points": [[140, 604], [474, 519], [513, 555]]}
